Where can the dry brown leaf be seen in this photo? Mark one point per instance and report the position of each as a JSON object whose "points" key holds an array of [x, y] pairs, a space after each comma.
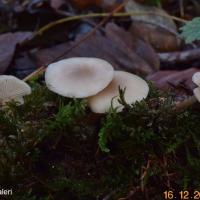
{"points": [[8, 45], [141, 48], [158, 30], [159, 38], [120, 51], [165, 79]]}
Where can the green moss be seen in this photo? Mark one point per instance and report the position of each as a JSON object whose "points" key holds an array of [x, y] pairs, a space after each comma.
{"points": [[55, 148]]}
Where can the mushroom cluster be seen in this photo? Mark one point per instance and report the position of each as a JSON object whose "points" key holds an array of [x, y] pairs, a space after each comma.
{"points": [[136, 89], [196, 80], [12, 88], [96, 80]]}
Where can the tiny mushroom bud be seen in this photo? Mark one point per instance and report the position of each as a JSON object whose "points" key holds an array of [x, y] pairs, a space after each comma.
{"points": [[78, 77], [12, 88], [136, 90], [196, 80]]}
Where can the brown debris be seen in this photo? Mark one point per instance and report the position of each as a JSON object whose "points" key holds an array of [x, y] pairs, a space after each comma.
{"points": [[8, 45], [119, 51], [168, 78], [180, 57]]}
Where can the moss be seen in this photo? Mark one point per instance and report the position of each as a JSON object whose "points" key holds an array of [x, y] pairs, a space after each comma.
{"points": [[55, 148]]}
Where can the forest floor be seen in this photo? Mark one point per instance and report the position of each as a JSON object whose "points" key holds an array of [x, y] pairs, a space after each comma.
{"points": [[53, 147]]}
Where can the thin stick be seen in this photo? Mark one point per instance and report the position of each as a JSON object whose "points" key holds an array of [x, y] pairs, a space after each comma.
{"points": [[42, 69], [107, 16], [97, 15], [180, 56], [182, 13], [35, 73], [93, 30]]}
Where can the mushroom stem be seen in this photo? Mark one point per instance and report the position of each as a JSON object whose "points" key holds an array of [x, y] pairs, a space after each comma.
{"points": [[185, 104]]}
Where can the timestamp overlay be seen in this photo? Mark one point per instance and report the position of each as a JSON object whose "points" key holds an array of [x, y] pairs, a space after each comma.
{"points": [[184, 194]]}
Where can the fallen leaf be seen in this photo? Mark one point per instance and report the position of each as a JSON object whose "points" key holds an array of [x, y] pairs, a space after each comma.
{"points": [[158, 30], [165, 79], [159, 38], [8, 45], [141, 48], [23, 65], [111, 47]]}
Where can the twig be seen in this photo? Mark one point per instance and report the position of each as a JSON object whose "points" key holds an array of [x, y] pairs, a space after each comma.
{"points": [[97, 15], [181, 8], [93, 30], [68, 14], [131, 193], [144, 174], [107, 197], [179, 57], [166, 173], [36, 73], [108, 16]]}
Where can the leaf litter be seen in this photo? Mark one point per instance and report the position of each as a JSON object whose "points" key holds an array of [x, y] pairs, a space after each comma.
{"points": [[145, 144]]}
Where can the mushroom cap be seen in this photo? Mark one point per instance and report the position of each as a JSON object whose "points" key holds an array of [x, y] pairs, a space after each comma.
{"points": [[12, 88], [136, 90], [196, 92], [78, 77], [196, 78]]}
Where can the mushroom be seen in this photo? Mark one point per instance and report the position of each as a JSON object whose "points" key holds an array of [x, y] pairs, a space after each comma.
{"points": [[196, 80], [136, 90], [192, 99], [12, 88], [78, 77]]}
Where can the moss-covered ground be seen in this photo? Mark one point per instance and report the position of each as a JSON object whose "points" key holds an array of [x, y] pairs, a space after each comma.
{"points": [[56, 148]]}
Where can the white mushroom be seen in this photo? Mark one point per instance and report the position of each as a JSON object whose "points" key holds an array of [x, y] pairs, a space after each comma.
{"points": [[78, 77], [136, 90], [196, 92], [192, 99], [196, 80], [12, 88]]}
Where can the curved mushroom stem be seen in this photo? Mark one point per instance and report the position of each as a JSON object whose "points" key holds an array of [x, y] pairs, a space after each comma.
{"points": [[185, 104]]}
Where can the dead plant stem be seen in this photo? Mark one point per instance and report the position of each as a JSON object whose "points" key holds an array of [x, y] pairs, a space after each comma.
{"points": [[97, 15], [99, 25]]}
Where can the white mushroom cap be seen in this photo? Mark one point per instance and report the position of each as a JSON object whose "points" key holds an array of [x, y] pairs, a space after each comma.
{"points": [[78, 77], [196, 78], [12, 88], [196, 92], [136, 90]]}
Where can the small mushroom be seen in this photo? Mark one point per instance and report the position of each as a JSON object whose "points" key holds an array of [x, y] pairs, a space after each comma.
{"points": [[136, 90], [192, 99], [12, 88], [196, 80], [78, 77]]}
